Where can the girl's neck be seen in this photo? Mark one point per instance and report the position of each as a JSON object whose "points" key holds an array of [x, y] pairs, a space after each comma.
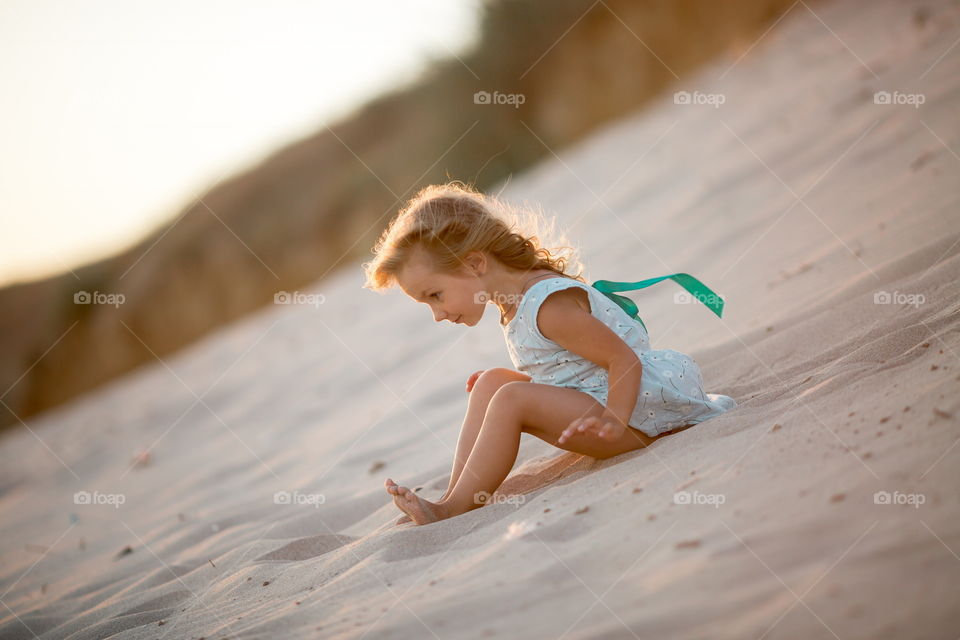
{"points": [[508, 310]]}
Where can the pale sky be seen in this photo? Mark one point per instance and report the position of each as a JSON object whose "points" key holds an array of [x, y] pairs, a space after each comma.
{"points": [[116, 113]]}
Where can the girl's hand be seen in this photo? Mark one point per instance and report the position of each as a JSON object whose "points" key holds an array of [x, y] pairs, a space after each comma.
{"points": [[473, 379], [608, 427]]}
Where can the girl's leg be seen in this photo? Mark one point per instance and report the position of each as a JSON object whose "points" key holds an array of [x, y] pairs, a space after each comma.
{"points": [[484, 388], [487, 384], [517, 407]]}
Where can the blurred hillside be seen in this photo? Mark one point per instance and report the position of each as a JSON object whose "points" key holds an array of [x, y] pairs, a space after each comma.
{"points": [[319, 204]]}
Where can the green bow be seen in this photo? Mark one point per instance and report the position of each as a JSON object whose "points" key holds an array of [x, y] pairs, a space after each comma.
{"points": [[697, 289]]}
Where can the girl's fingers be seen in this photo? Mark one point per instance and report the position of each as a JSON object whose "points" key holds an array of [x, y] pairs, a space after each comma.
{"points": [[472, 380], [586, 426], [576, 427]]}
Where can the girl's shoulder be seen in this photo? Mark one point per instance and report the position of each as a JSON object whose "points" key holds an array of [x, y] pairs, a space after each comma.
{"points": [[568, 290]]}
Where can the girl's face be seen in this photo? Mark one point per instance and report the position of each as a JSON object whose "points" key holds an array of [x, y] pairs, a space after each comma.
{"points": [[457, 298]]}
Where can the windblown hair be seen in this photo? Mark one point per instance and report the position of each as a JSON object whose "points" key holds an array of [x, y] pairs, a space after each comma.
{"points": [[445, 222]]}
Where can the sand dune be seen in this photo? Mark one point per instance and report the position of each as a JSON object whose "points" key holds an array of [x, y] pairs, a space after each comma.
{"points": [[799, 198]]}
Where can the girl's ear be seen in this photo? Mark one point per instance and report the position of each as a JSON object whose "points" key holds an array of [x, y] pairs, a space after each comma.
{"points": [[477, 262]]}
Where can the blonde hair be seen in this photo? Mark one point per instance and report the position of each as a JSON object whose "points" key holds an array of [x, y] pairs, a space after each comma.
{"points": [[447, 221]]}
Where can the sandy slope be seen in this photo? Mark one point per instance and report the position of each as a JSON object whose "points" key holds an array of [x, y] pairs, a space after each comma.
{"points": [[840, 398]]}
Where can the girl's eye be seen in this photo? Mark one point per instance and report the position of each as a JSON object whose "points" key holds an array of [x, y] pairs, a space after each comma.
{"points": [[434, 294]]}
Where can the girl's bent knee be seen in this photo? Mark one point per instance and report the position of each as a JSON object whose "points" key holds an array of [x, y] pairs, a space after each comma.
{"points": [[491, 380]]}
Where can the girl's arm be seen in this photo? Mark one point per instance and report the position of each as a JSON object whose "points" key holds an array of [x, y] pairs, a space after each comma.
{"points": [[568, 322], [624, 380]]}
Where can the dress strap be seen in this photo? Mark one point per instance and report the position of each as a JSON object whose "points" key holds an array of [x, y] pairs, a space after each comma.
{"points": [[697, 289]]}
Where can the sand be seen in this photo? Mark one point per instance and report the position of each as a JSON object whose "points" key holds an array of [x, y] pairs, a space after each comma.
{"points": [[825, 506]]}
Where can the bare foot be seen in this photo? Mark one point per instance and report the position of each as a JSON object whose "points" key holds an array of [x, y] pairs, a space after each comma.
{"points": [[419, 510]]}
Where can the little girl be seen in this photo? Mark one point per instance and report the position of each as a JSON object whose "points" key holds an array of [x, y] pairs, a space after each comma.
{"points": [[586, 379]]}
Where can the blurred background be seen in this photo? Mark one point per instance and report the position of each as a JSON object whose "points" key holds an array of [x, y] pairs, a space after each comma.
{"points": [[167, 168]]}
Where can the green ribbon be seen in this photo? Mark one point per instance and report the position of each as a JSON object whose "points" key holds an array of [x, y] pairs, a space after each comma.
{"points": [[697, 289]]}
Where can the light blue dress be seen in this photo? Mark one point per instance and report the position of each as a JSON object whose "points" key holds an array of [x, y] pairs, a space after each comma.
{"points": [[671, 387]]}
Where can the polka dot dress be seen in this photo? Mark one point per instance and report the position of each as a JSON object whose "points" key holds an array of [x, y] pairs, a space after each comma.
{"points": [[671, 389]]}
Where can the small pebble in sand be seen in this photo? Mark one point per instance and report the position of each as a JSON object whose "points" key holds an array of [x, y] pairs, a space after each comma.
{"points": [[652, 517], [547, 510], [265, 583], [637, 489], [687, 544], [906, 408], [776, 427], [582, 510], [141, 458], [867, 455], [851, 414], [376, 466], [838, 497], [127, 550], [884, 419], [879, 433]]}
